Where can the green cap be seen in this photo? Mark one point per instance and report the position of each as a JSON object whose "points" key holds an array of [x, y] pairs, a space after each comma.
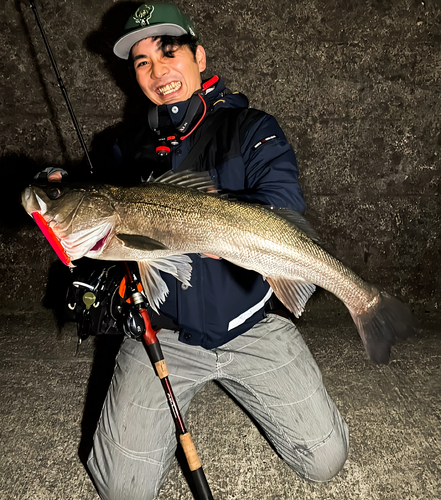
{"points": [[155, 19]]}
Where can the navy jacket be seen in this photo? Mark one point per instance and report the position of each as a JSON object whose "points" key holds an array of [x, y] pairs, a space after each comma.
{"points": [[250, 157]]}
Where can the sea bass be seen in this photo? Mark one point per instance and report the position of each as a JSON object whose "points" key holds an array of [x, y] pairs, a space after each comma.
{"points": [[158, 223]]}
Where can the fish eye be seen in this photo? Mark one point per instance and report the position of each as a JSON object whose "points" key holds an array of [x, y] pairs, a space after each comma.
{"points": [[54, 193]]}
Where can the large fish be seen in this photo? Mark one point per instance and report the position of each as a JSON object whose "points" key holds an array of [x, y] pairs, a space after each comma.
{"points": [[158, 223]]}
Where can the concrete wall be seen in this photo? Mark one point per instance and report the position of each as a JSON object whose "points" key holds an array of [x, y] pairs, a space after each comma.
{"points": [[355, 85]]}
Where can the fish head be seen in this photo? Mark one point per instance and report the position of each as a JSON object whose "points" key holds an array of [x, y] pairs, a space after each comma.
{"points": [[82, 218]]}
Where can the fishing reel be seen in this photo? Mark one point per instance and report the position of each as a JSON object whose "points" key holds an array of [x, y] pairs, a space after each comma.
{"points": [[127, 311], [101, 302], [132, 322]]}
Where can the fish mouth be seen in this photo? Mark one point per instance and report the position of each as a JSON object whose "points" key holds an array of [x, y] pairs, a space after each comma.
{"points": [[68, 226], [32, 202]]}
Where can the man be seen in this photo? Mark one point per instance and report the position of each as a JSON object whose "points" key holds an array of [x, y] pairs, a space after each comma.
{"points": [[217, 329]]}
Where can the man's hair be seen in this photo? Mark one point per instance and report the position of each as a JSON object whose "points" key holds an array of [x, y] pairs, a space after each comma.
{"points": [[168, 44]]}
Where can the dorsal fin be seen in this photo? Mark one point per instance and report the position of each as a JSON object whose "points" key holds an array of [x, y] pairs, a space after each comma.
{"points": [[299, 221], [204, 182], [188, 179]]}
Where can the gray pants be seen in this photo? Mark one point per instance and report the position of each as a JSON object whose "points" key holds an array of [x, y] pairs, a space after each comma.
{"points": [[269, 370]]}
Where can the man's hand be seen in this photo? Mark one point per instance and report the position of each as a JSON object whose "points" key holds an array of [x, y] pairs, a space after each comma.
{"points": [[212, 256], [50, 174], [55, 177]]}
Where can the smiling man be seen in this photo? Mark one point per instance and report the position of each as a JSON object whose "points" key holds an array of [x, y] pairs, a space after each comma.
{"points": [[165, 79], [222, 327]]}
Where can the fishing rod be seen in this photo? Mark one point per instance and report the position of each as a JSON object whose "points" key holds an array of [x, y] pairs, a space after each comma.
{"points": [[61, 85], [154, 350], [142, 323]]}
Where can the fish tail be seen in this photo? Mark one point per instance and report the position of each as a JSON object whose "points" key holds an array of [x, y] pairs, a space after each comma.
{"points": [[386, 322]]}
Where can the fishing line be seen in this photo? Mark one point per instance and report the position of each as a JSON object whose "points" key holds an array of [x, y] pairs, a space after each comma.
{"points": [[61, 85]]}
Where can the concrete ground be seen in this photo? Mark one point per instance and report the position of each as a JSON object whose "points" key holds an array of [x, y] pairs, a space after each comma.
{"points": [[50, 401]]}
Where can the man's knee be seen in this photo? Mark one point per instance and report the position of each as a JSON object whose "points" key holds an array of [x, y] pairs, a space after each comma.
{"points": [[327, 459], [120, 474]]}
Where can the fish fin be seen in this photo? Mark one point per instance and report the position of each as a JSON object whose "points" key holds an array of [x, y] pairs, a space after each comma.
{"points": [[293, 294], [386, 322], [140, 242], [299, 221], [188, 179], [155, 287]]}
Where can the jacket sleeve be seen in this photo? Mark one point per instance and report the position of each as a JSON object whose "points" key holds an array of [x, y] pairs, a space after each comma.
{"points": [[271, 174]]}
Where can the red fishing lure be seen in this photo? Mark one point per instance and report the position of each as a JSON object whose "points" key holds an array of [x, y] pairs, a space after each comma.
{"points": [[52, 239]]}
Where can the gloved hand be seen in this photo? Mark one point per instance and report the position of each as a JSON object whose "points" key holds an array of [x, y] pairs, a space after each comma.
{"points": [[51, 174]]}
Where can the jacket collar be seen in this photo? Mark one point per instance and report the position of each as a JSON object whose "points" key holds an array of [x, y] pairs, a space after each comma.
{"points": [[173, 115]]}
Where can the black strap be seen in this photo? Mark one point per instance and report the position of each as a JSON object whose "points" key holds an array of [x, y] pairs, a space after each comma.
{"points": [[218, 119]]}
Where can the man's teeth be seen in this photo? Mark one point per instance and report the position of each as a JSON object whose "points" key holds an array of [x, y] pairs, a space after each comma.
{"points": [[171, 87]]}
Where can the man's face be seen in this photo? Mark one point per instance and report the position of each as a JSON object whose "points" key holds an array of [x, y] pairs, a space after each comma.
{"points": [[165, 80]]}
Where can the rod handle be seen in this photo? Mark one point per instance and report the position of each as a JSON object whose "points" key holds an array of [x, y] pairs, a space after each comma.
{"points": [[197, 473], [201, 484], [161, 369], [157, 358], [190, 451]]}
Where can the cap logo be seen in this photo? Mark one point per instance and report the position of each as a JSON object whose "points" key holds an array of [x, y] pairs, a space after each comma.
{"points": [[143, 14]]}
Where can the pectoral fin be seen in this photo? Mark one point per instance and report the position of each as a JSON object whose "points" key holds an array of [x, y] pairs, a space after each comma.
{"points": [[139, 242], [155, 287], [293, 294]]}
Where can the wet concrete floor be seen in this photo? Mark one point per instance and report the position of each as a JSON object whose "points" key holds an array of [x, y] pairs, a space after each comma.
{"points": [[51, 399]]}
